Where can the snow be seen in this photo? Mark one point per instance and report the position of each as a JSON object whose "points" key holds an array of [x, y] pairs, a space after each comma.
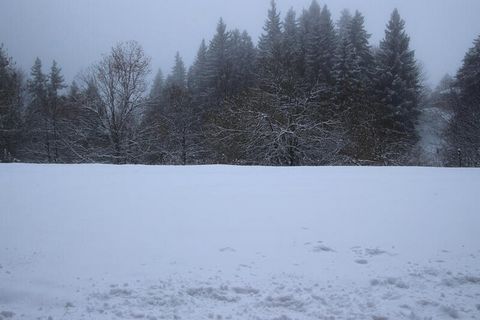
{"points": [[433, 123], [221, 242]]}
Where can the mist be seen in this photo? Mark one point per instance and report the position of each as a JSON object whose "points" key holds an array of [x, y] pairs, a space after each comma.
{"points": [[77, 33]]}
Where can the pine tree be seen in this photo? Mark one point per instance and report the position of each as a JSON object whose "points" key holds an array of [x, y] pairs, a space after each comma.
{"points": [[399, 90]]}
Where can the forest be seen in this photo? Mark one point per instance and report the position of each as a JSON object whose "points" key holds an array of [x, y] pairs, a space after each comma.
{"points": [[312, 91]]}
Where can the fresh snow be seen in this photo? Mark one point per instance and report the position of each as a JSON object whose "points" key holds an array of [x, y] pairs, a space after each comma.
{"points": [[221, 242]]}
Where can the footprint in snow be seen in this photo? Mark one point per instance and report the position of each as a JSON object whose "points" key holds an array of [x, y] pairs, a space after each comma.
{"points": [[7, 314], [375, 252], [322, 248]]}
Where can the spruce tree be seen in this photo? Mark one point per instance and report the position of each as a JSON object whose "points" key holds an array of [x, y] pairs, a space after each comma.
{"points": [[241, 57], [37, 117], [319, 42], [56, 80], [353, 101], [346, 73], [178, 76], [217, 73], [197, 73], [468, 77], [179, 114], [343, 23], [56, 83], [359, 39], [327, 46], [291, 47], [311, 29], [464, 128], [399, 90], [37, 87], [354, 61], [248, 57], [270, 48], [10, 103], [157, 86], [152, 113]]}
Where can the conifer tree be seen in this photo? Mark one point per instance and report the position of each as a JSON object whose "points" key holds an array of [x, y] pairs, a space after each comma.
{"points": [[152, 116], [37, 86], [197, 74], [10, 103], [399, 90], [242, 57], [327, 48], [353, 102], [157, 86], [343, 23], [291, 48], [56, 83], [37, 120], [464, 128], [468, 77], [311, 29], [359, 39], [270, 48], [179, 115], [218, 71]]}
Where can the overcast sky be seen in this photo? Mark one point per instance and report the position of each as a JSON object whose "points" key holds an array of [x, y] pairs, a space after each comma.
{"points": [[77, 33]]}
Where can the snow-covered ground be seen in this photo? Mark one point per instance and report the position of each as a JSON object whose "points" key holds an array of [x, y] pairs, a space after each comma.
{"points": [[431, 127], [219, 242]]}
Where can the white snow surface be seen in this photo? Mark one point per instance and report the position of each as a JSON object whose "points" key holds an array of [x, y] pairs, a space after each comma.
{"points": [[222, 242]]}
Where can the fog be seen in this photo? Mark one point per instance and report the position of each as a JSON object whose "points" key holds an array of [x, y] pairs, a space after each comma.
{"points": [[77, 33]]}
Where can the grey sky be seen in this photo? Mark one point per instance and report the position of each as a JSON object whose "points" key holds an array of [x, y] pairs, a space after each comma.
{"points": [[76, 33]]}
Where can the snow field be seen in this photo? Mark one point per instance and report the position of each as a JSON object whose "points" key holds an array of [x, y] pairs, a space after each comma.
{"points": [[221, 242]]}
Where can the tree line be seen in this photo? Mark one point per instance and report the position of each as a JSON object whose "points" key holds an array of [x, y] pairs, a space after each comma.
{"points": [[311, 92]]}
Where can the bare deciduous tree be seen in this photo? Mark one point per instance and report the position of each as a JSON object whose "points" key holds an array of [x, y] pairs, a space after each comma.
{"points": [[120, 83]]}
